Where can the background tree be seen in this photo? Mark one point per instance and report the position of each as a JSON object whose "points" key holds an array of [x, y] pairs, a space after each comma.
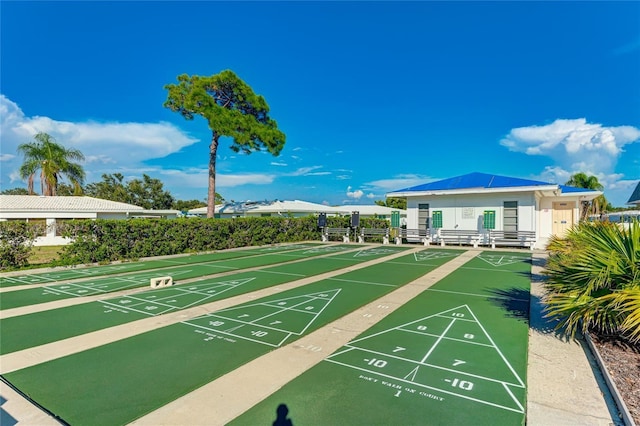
{"points": [[69, 190], [231, 109], [394, 203], [148, 192], [15, 191], [184, 205], [581, 180], [110, 188], [53, 160]]}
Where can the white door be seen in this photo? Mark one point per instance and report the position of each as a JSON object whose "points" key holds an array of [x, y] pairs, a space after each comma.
{"points": [[562, 217]]}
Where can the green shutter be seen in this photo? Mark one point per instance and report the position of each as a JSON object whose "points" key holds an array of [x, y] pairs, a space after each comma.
{"points": [[395, 219], [489, 219], [437, 219]]}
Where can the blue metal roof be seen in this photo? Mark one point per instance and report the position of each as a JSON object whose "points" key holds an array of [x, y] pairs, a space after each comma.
{"points": [[475, 180], [568, 189], [635, 196]]}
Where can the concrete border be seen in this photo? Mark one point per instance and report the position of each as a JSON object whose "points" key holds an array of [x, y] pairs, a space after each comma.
{"points": [[624, 411]]}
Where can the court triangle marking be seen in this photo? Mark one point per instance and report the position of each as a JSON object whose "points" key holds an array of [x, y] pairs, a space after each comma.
{"points": [[499, 260]]}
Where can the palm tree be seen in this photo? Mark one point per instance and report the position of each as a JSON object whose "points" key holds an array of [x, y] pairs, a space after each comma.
{"points": [[53, 161], [581, 180], [593, 279]]}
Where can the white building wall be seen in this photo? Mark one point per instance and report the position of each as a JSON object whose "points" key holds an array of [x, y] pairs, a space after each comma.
{"points": [[467, 211]]}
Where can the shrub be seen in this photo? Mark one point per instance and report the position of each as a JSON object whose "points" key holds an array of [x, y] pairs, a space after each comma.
{"points": [[593, 279], [16, 242]]}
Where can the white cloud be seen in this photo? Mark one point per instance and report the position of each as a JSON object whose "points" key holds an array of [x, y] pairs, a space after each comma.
{"points": [[228, 181], [397, 182], [574, 144], [273, 163], [371, 196], [127, 145], [578, 146], [356, 195], [305, 171]]}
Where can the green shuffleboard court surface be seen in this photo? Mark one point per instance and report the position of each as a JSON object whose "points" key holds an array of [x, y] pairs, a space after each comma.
{"points": [[124, 380], [38, 328], [120, 268], [267, 256], [454, 355]]}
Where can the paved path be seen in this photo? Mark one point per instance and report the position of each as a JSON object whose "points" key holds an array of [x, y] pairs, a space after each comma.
{"points": [[564, 387]]}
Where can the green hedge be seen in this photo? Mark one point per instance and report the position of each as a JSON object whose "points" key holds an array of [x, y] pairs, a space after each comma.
{"points": [[110, 240], [16, 242]]}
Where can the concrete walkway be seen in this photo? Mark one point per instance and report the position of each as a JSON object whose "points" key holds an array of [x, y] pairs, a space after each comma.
{"points": [[564, 385]]}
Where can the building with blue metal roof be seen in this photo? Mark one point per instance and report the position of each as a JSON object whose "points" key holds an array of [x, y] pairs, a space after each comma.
{"points": [[481, 206], [635, 197]]}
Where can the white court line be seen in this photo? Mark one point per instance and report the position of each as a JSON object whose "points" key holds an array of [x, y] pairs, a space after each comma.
{"points": [[138, 302], [361, 282], [273, 345], [497, 348], [216, 266], [72, 292], [506, 387], [426, 364], [310, 297], [285, 309], [477, 295], [438, 340], [448, 338], [488, 269], [427, 387], [280, 273]]}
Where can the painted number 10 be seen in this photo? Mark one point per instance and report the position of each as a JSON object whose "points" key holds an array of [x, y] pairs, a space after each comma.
{"points": [[462, 384], [380, 363]]}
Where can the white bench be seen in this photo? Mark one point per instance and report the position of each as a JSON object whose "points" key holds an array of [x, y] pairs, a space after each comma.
{"points": [[512, 238], [341, 232], [423, 235], [374, 232], [459, 236]]}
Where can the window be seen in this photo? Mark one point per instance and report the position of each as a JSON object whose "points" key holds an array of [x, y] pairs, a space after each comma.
{"points": [[437, 219], [510, 218], [423, 216]]}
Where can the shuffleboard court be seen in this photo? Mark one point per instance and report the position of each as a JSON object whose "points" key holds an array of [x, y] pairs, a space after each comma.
{"points": [[119, 382], [49, 293], [74, 273], [446, 357], [43, 327]]}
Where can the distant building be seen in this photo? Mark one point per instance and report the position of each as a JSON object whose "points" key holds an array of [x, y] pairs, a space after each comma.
{"points": [[53, 210], [294, 208], [635, 197]]}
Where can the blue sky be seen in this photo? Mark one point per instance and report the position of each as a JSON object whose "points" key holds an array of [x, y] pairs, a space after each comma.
{"points": [[372, 96]]}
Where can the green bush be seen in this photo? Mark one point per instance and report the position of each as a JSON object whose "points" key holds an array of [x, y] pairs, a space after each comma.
{"points": [[102, 241], [110, 240], [16, 243], [593, 279]]}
